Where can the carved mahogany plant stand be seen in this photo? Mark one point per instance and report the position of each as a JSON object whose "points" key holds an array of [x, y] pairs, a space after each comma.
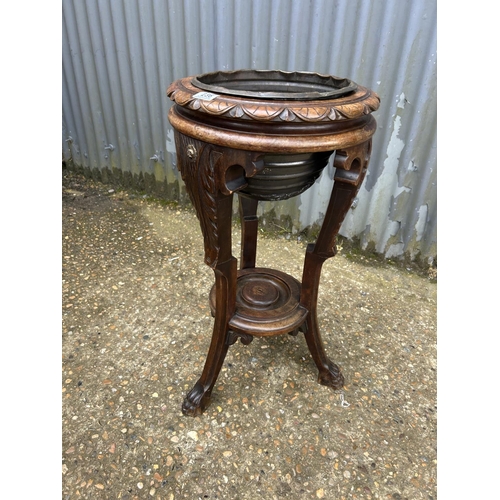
{"points": [[266, 135]]}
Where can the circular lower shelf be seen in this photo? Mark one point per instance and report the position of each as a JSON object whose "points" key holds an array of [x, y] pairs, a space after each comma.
{"points": [[267, 303]]}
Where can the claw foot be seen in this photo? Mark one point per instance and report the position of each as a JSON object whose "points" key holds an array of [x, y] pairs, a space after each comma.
{"points": [[196, 401], [331, 376]]}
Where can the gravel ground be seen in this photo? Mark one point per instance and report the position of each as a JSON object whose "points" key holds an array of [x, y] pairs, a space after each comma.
{"points": [[136, 327]]}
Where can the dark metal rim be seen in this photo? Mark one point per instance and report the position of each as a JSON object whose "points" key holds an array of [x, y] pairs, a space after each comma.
{"points": [[275, 84]]}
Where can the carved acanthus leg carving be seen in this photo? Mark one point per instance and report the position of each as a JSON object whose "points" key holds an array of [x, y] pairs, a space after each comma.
{"points": [[210, 173], [351, 166], [197, 164]]}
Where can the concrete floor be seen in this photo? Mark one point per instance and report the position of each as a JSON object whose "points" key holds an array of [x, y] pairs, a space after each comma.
{"points": [[136, 330]]}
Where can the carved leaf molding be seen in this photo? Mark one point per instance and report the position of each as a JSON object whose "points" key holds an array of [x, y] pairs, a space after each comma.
{"points": [[364, 102]]}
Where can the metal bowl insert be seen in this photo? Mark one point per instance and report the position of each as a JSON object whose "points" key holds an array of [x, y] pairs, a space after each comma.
{"points": [[275, 84]]}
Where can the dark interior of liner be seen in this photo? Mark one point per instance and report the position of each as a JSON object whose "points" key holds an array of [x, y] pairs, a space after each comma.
{"points": [[275, 84]]}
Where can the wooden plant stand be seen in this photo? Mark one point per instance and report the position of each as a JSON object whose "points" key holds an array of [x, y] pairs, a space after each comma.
{"points": [[266, 135]]}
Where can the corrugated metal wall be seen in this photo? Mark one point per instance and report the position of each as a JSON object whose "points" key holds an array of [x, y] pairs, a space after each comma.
{"points": [[119, 56]]}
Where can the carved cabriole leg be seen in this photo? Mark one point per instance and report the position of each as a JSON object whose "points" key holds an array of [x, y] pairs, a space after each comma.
{"points": [[199, 397], [225, 286], [249, 226], [351, 166], [329, 373], [211, 175]]}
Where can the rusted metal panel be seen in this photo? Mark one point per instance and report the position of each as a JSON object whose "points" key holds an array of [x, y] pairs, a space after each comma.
{"points": [[119, 58]]}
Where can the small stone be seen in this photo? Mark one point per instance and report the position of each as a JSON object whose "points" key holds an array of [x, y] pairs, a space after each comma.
{"points": [[174, 439], [193, 435], [320, 493], [169, 461], [227, 453], [140, 485], [347, 474], [99, 486]]}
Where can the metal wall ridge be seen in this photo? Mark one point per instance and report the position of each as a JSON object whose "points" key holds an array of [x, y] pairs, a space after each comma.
{"points": [[119, 57]]}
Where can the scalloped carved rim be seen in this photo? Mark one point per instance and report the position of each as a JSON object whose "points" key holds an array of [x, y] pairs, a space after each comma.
{"points": [[362, 102]]}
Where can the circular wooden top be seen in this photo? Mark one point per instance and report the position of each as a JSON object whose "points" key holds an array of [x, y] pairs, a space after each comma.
{"points": [[250, 107]]}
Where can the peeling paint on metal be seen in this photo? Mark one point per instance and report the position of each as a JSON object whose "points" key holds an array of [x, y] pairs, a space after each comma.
{"points": [[373, 208], [170, 143], [402, 101], [421, 222]]}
